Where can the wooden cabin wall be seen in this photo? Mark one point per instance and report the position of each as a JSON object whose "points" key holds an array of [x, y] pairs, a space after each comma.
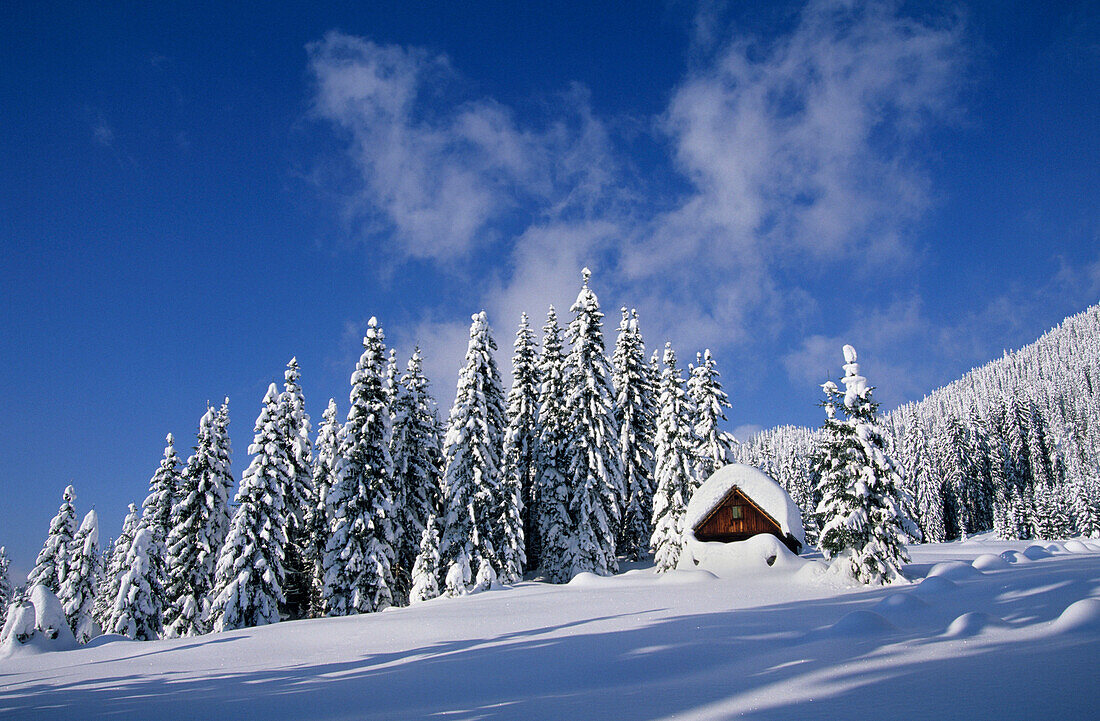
{"points": [[722, 526]]}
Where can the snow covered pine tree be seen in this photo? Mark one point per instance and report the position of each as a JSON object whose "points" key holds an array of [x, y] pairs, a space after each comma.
{"points": [[195, 536], [116, 569], [712, 446], [552, 491], [78, 591], [675, 466], [417, 468], [521, 439], [298, 494], [472, 481], [5, 585], [635, 418], [359, 555], [137, 611], [864, 526], [157, 517], [49, 568], [425, 573], [319, 519], [593, 472], [249, 576]]}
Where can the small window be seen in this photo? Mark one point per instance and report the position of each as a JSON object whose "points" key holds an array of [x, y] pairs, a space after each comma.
{"points": [[737, 513]]}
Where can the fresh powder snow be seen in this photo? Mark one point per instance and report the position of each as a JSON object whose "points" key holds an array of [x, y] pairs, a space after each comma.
{"points": [[1016, 640]]}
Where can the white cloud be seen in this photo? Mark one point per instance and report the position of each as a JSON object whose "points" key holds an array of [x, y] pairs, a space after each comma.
{"points": [[801, 155], [440, 179]]}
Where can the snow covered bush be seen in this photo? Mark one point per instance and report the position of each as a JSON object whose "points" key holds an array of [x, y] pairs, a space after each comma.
{"points": [[38, 622], [425, 572]]}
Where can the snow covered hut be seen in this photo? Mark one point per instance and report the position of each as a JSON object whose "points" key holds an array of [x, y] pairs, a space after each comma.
{"points": [[738, 502]]}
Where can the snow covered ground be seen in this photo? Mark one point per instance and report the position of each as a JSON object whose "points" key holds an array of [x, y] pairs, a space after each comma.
{"points": [[988, 630]]}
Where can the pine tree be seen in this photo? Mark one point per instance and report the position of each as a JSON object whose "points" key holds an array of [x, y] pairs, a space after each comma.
{"points": [[551, 489], [136, 611], [391, 381], [116, 569], [164, 487], [675, 467], [1023, 513], [195, 537], [521, 439], [49, 569], [921, 484], [298, 495], [1039, 447], [594, 472], [249, 577], [951, 448], [979, 454], [635, 416], [712, 446], [472, 480], [5, 585], [417, 468], [1089, 525], [319, 519], [359, 555], [425, 573], [78, 592], [223, 451], [931, 509], [865, 526]]}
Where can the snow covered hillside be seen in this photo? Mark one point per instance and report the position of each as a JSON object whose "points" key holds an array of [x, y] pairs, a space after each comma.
{"points": [[988, 630]]}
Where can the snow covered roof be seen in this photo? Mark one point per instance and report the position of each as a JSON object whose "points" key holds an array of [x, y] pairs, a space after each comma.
{"points": [[760, 489]]}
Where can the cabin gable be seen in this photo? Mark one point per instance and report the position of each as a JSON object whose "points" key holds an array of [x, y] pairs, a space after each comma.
{"points": [[736, 518]]}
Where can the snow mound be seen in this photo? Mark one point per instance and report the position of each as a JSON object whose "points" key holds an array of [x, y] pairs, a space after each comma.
{"points": [[818, 573], [935, 585], [36, 625], [755, 484], [106, 639], [685, 576], [954, 571], [758, 553], [587, 579], [1055, 547], [860, 623], [990, 562], [1015, 557], [1035, 553], [1076, 547], [902, 603], [971, 624], [1081, 616]]}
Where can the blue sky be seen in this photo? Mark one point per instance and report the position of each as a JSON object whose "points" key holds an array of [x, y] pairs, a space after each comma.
{"points": [[191, 196]]}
